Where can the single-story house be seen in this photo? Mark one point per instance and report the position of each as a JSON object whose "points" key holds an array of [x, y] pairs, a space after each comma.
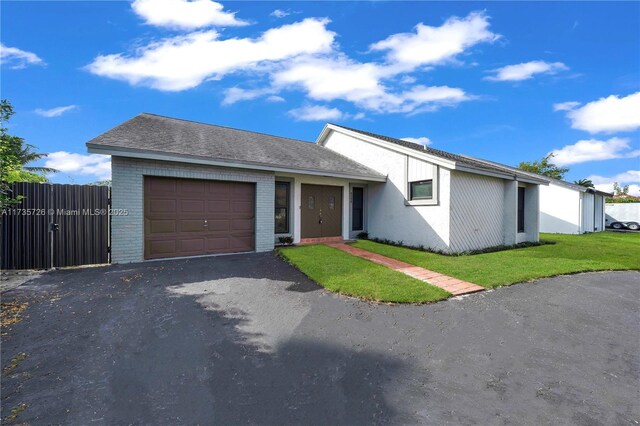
{"points": [[567, 208], [183, 188]]}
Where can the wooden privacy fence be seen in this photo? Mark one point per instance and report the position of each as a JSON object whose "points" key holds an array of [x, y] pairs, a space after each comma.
{"points": [[55, 225]]}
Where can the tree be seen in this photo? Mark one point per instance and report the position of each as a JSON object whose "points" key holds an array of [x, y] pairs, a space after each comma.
{"points": [[544, 167], [621, 195], [14, 157], [585, 182], [620, 191]]}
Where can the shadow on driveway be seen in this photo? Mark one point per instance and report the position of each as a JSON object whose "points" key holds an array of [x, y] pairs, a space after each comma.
{"points": [[132, 344]]}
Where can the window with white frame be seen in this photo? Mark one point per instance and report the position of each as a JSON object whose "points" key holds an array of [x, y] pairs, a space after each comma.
{"points": [[421, 190]]}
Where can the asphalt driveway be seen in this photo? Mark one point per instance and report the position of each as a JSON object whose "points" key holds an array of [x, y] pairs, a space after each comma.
{"points": [[247, 339]]}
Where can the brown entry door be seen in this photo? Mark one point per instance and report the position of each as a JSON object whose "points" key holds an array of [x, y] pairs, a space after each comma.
{"points": [[321, 213], [188, 217]]}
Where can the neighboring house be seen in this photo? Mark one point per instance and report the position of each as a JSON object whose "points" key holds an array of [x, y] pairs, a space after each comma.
{"points": [[193, 189], [567, 208]]}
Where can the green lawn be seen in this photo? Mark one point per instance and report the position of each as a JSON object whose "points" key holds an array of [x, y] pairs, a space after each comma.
{"points": [[602, 251], [346, 274]]}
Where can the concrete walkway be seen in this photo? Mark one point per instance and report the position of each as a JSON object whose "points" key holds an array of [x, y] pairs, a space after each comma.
{"points": [[452, 285]]}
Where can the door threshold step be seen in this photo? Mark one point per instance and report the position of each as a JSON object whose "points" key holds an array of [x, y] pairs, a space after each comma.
{"points": [[320, 240]]}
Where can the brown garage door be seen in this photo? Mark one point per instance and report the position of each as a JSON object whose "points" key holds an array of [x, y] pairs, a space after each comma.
{"points": [[188, 217]]}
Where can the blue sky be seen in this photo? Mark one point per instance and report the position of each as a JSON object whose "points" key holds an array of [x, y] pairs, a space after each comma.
{"points": [[505, 81]]}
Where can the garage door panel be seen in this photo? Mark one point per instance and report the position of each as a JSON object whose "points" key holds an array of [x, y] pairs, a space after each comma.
{"points": [[242, 192], [162, 186], [218, 206], [176, 211], [219, 190], [242, 207], [191, 245], [193, 186], [162, 247], [218, 244], [160, 226], [192, 206], [242, 225], [160, 206], [242, 243], [191, 225], [219, 225]]}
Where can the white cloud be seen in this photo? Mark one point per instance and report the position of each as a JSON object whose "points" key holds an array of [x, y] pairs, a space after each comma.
{"points": [[526, 70], [185, 14], [565, 106], [279, 13], [177, 63], [303, 56], [608, 115], [630, 177], [55, 112], [18, 59], [316, 113], [328, 79], [237, 94], [91, 164], [275, 99], [594, 150], [422, 140], [184, 62], [435, 45]]}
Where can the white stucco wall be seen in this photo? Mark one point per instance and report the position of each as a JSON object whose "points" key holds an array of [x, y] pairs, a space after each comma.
{"points": [[388, 216], [559, 210], [477, 211]]}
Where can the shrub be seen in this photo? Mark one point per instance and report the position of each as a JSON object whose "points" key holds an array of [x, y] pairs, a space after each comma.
{"points": [[363, 236], [465, 253], [285, 241]]}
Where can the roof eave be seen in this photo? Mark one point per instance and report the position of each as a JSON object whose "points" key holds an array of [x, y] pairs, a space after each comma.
{"points": [[388, 145], [163, 156]]}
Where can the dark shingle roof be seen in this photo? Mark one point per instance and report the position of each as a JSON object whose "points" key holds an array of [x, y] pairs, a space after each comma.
{"points": [[165, 135], [459, 159]]}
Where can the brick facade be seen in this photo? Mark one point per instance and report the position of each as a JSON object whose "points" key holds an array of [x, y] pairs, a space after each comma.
{"points": [[127, 234]]}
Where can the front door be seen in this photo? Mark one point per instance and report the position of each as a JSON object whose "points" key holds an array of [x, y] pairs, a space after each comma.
{"points": [[321, 213]]}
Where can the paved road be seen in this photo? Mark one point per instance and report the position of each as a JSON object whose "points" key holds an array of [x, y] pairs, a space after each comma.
{"points": [[247, 339]]}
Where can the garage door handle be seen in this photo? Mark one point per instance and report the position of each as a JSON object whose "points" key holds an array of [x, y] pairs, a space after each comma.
{"points": [[205, 223]]}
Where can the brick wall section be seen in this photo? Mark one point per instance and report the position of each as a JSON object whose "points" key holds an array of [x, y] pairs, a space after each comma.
{"points": [[127, 233]]}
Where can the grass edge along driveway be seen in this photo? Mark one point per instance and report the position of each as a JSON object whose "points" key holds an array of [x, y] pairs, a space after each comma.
{"points": [[343, 273], [600, 251]]}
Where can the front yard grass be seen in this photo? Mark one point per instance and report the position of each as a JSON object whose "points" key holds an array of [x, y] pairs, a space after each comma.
{"points": [[350, 275], [601, 251]]}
